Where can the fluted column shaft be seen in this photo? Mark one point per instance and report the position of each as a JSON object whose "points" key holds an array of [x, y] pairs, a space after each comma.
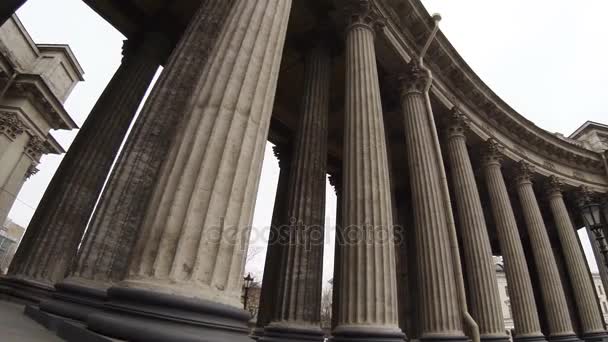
{"points": [[299, 295], [554, 300], [368, 295], [270, 280], [193, 239], [104, 253], [440, 314], [53, 235], [523, 305], [8, 8], [484, 297], [584, 292]]}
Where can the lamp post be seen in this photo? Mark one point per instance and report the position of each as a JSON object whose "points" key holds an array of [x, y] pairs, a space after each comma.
{"points": [[591, 211], [247, 285]]}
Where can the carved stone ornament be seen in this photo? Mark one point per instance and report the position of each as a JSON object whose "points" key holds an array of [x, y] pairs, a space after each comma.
{"points": [[361, 13], [32, 170], [35, 148], [413, 79], [458, 123], [492, 152], [585, 196], [525, 171], [283, 154], [11, 125], [555, 185], [335, 180]]}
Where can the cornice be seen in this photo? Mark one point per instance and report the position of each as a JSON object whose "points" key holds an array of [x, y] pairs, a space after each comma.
{"points": [[458, 83]]}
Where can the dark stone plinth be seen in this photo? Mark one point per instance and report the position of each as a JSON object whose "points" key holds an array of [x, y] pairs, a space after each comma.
{"points": [[25, 291], [445, 338], [500, 338], [538, 338], [595, 337], [563, 338], [291, 334], [142, 315], [257, 333], [366, 334], [74, 301]]}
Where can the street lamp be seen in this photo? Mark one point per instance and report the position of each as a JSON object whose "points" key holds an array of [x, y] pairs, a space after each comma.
{"points": [[593, 220], [247, 285]]}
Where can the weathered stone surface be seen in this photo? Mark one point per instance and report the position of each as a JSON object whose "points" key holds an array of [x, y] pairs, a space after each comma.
{"points": [[108, 242], [483, 296], [525, 312], [552, 291], [53, 235]]}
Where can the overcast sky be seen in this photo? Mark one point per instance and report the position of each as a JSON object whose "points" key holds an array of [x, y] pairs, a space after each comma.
{"points": [[546, 58]]}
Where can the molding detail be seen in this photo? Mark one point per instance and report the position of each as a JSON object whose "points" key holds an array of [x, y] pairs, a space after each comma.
{"points": [[11, 125]]}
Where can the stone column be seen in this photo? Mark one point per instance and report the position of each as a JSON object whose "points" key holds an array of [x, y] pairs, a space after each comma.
{"points": [[335, 180], [8, 8], [53, 235], [187, 264], [439, 310], [270, 280], [584, 291], [523, 306], [368, 295], [484, 298], [554, 300], [298, 306], [104, 252]]}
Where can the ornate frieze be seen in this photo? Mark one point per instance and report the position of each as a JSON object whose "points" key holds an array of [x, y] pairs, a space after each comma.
{"points": [[11, 125]]}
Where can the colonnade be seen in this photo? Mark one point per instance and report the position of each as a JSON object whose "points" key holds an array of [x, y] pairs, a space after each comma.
{"points": [[163, 255]]}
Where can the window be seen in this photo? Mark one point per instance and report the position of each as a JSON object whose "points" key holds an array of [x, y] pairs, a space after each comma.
{"points": [[508, 305], [604, 307], [599, 289]]}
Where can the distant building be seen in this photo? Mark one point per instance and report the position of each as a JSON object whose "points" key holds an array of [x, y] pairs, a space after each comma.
{"points": [[35, 81], [601, 294], [10, 236]]}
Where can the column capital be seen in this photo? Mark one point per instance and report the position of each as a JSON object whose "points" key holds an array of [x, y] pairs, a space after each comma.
{"points": [[457, 123], [31, 170], [154, 44], [35, 148], [585, 196], [413, 79], [492, 152], [524, 172], [11, 125], [283, 154], [361, 13], [554, 186], [335, 180]]}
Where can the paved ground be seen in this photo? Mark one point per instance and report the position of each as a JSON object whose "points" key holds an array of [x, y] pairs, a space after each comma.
{"points": [[16, 327]]}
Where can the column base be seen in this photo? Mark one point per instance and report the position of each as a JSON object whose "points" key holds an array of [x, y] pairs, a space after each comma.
{"points": [[367, 334], [25, 291], [534, 338], [601, 336], [564, 338], [444, 338], [257, 333], [74, 301], [142, 315], [282, 333], [495, 338]]}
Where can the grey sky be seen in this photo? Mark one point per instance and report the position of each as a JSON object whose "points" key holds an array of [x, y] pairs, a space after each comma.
{"points": [[546, 58]]}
